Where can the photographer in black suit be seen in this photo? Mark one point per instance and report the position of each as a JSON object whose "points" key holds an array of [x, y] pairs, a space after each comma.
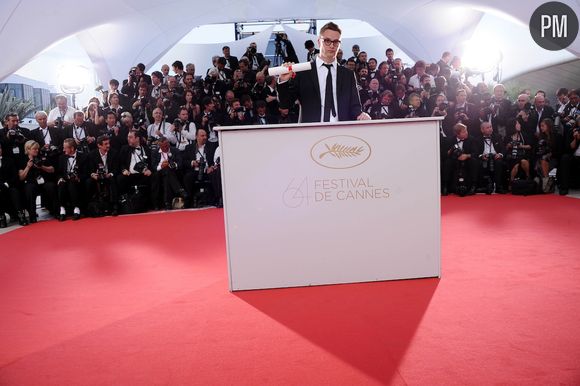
{"points": [[103, 169], [231, 61], [49, 138], [13, 137], [166, 161], [134, 164], [327, 92], [460, 161], [490, 150], [9, 194], [72, 173], [312, 50], [83, 134], [198, 159]]}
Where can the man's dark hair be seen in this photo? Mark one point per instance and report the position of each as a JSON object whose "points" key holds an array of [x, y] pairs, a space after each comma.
{"points": [[222, 60], [389, 50], [77, 113], [331, 27], [224, 47], [261, 103], [562, 91], [157, 74], [425, 76], [102, 138], [178, 64], [350, 60], [141, 66], [112, 113], [206, 101], [114, 82], [245, 61], [308, 44], [244, 98]]}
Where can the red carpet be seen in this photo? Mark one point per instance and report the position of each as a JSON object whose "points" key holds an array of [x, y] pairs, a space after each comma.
{"points": [[143, 300]]}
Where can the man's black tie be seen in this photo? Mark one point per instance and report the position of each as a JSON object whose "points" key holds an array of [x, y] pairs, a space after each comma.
{"points": [[328, 96]]}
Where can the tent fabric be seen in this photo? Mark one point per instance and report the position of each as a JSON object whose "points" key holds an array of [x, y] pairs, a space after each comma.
{"points": [[116, 34]]}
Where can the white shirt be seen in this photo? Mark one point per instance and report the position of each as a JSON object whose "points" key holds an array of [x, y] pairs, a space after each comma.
{"points": [[72, 162], [78, 132], [184, 137], [488, 147], [104, 160], [415, 81], [217, 154], [46, 135], [163, 127], [137, 156], [67, 115], [164, 157], [322, 74]]}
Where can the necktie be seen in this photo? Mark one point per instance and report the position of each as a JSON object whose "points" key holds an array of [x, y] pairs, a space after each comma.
{"points": [[328, 96]]}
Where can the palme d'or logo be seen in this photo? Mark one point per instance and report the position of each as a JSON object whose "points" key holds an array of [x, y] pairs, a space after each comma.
{"points": [[340, 152]]}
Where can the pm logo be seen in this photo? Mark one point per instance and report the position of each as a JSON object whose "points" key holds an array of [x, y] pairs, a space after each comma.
{"points": [[554, 26], [340, 152]]}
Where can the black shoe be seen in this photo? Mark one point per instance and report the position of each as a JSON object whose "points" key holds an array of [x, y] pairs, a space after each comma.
{"points": [[444, 191], [563, 192], [115, 212], [500, 191], [61, 217], [183, 194], [33, 219], [76, 216], [168, 206], [471, 191], [3, 223]]}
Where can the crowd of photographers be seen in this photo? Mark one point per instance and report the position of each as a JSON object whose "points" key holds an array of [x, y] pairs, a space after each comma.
{"points": [[149, 141]]}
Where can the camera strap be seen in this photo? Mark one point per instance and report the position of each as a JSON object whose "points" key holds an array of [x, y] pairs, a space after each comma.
{"points": [[79, 134], [46, 135], [72, 165]]}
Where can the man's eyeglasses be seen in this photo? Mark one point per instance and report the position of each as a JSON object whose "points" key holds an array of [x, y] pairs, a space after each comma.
{"points": [[328, 42]]}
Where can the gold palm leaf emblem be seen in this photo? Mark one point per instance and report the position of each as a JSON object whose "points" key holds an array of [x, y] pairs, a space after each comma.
{"points": [[342, 151]]}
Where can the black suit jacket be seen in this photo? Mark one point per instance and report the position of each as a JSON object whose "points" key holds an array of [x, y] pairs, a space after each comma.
{"points": [[234, 65], [8, 173], [175, 156], [305, 88], [190, 152], [469, 146], [496, 141], [125, 157], [82, 166], [56, 136], [112, 161]]}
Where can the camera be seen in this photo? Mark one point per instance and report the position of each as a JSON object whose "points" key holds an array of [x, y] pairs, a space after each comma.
{"points": [[517, 151], [240, 110], [488, 163], [140, 122], [178, 124], [252, 50], [101, 172], [427, 87], [59, 123], [52, 151], [166, 102], [83, 146], [140, 167], [456, 152], [37, 162], [443, 106]]}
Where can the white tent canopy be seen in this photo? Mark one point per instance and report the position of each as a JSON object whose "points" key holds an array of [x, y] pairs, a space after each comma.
{"points": [[118, 34]]}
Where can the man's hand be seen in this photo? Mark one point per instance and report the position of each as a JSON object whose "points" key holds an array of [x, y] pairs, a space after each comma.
{"points": [[90, 139], [126, 172], [363, 117], [463, 157], [164, 165], [94, 176], [147, 173], [498, 156], [288, 76]]}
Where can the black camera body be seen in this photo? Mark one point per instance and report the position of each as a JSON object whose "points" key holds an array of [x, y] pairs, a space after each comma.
{"points": [[202, 165], [140, 167], [59, 123], [101, 172], [517, 151], [456, 152]]}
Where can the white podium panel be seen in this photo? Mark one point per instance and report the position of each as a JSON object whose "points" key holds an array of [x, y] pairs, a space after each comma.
{"points": [[316, 204]]}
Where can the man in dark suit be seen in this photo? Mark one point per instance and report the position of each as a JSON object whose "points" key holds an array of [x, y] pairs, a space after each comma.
{"points": [[231, 61], [83, 135], [541, 111], [134, 164], [72, 173], [49, 138], [9, 194], [327, 92], [312, 50], [104, 169], [461, 160], [198, 161], [490, 151], [13, 137], [166, 161]]}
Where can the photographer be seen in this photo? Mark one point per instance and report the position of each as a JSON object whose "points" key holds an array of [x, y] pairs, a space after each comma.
{"points": [[191, 105], [116, 133], [114, 106], [231, 61], [312, 50], [386, 109], [416, 108], [103, 169], [570, 163], [499, 110], [214, 86], [182, 132], [372, 68], [285, 49], [141, 106], [131, 84], [72, 173], [255, 58], [209, 118], [159, 128], [237, 115], [519, 146], [464, 113], [521, 112], [134, 164], [441, 107], [13, 137], [83, 135], [224, 74], [177, 67], [198, 161], [240, 86], [9, 194], [38, 178], [49, 138], [257, 92], [370, 97], [490, 151], [420, 70], [62, 114], [166, 161], [270, 95], [571, 113], [157, 85], [540, 112], [262, 117], [460, 163]]}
